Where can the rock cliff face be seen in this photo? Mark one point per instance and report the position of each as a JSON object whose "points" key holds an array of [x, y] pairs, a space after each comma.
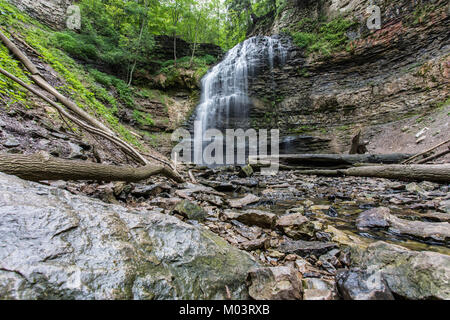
{"points": [[55, 245], [386, 75], [49, 12]]}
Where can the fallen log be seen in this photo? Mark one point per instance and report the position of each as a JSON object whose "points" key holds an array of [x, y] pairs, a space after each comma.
{"points": [[333, 160], [39, 80], [124, 146], [419, 172], [42, 166], [435, 157], [425, 152]]}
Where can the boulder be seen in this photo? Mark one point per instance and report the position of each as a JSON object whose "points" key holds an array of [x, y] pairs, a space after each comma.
{"points": [[190, 210], [374, 218], [56, 245], [277, 283], [296, 226], [409, 274], [259, 218], [360, 285]]}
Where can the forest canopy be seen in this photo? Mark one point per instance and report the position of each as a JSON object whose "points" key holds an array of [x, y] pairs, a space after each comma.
{"points": [[120, 33]]}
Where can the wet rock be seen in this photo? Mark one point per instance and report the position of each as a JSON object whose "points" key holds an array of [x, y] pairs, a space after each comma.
{"points": [[305, 248], [56, 245], [444, 206], [409, 274], [381, 217], [318, 208], [242, 202], [360, 285], [212, 199], [251, 233], [374, 218], [252, 245], [220, 186], [146, 191], [332, 212], [277, 283], [331, 258], [296, 226], [165, 203], [414, 188], [190, 211], [250, 183], [11, 142], [75, 151], [259, 218], [245, 171]]}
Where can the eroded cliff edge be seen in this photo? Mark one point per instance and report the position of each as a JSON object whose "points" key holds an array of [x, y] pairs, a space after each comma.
{"points": [[383, 81]]}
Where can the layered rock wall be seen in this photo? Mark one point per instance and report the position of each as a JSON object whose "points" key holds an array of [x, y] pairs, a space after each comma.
{"points": [[385, 75]]}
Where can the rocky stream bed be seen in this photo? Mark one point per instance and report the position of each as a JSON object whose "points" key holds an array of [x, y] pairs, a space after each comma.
{"points": [[233, 235]]}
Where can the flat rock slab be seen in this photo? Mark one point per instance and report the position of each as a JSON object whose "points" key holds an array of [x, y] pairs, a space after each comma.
{"points": [[259, 218], [242, 202], [382, 218], [305, 248], [56, 245]]}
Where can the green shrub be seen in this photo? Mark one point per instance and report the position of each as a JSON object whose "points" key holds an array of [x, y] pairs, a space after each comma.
{"points": [[322, 37]]}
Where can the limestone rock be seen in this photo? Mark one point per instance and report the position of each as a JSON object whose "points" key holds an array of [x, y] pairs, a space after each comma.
{"points": [[304, 248], [296, 226], [242, 202], [381, 217], [259, 218], [359, 285], [190, 210], [56, 245], [409, 274], [278, 283]]}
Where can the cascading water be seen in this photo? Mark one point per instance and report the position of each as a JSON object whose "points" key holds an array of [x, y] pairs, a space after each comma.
{"points": [[225, 102]]}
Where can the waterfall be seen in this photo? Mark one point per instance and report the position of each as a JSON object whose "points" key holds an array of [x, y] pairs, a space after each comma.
{"points": [[225, 102]]}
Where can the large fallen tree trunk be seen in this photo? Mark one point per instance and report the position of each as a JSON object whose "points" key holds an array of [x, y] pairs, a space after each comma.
{"points": [[334, 160], [125, 147], [36, 76], [435, 173], [41, 166]]}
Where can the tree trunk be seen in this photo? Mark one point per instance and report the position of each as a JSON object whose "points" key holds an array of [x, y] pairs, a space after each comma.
{"points": [[36, 76], [358, 147], [125, 147], [41, 166], [333, 160], [175, 49], [435, 173]]}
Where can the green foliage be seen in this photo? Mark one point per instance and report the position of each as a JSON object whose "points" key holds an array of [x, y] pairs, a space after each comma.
{"points": [[126, 94], [77, 80], [9, 88], [322, 37], [142, 118], [200, 65]]}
